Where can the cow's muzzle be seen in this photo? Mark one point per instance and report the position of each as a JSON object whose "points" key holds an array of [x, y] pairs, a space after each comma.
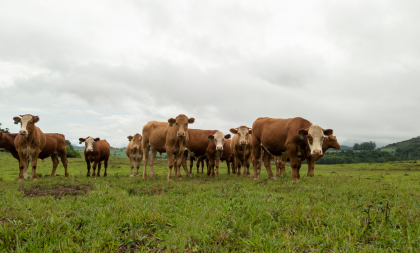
{"points": [[219, 148], [181, 134], [23, 132], [243, 142], [317, 152], [89, 150], [135, 147]]}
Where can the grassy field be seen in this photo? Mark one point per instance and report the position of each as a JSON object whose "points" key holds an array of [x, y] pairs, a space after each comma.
{"points": [[344, 208]]}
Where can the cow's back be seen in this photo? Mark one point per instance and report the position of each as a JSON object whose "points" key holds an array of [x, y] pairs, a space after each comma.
{"points": [[55, 144], [104, 149], [198, 140], [154, 134], [277, 134]]}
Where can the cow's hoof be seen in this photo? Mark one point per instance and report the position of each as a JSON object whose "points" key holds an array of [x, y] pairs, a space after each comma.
{"points": [[131, 175], [104, 175], [20, 179], [67, 174], [179, 179], [273, 178], [256, 178], [34, 179], [248, 176]]}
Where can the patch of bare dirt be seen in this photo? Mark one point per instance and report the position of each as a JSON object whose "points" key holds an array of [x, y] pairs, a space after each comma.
{"points": [[57, 192]]}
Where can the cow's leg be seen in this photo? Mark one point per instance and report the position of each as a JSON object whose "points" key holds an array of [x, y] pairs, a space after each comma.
{"points": [[178, 166], [64, 162], [191, 163], [228, 165], [138, 164], [311, 166], [21, 166], [106, 167], [256, 152], [34, 164], [238, 164], [25, 169], [99, 169], [95, 163], [234, 165], [184, 164], [295, 164], [211, 167], [170, 162], [88, 168], [217, 167], [146, 160], [131, 165], [152, 162], [267, 165], [197, 164], [54, 158], [247, 165]]}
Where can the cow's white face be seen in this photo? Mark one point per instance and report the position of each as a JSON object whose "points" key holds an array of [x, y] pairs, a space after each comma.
{"points": [[244, 134], [219, 139], [27, 124], [89, 141], [315, 137]]}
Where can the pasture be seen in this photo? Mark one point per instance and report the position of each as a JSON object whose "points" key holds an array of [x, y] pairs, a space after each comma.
{"points": [[344, 208]]}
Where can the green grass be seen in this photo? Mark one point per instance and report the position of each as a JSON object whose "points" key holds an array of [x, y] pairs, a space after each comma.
{"points": [[344, 208]]}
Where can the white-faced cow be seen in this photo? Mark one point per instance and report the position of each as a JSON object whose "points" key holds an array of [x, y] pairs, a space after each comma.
{"points": [[215, 150], [241, 146], [96, 151]]}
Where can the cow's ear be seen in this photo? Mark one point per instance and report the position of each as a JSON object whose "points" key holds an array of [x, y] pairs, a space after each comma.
{"points": [[16, 119], [233, 130], [211, 137], [250, 131], [227, 136], [97, 139], [130, 137], [36, 119], [303, 131], [172, 121], [191, 120], [327, 131], [82, 139]]}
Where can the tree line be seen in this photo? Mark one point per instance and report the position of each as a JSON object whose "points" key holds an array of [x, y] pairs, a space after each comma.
{"points": [[371, 145]]}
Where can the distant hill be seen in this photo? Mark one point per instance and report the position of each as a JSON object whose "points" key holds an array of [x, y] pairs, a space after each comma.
{"points": [[413, 143], [344, 147]]}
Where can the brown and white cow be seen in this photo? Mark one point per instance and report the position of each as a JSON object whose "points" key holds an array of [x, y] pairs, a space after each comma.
{"points": [[29, 144], [329, 142], [215, 150], [226, 156], [171, 138], [55, 147], [277, 136], [241, 146], [134, 151], [96, 151], [197, 144]]}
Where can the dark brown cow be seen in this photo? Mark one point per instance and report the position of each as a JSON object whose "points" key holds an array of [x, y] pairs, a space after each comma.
{"points": [[199, 161], [171, 138], [134, 151], [241, 146], [29, 144], [277, 136], [197, 144], [215, 150], [55, 147], [226, 156], [329, 142], [96, 151]]}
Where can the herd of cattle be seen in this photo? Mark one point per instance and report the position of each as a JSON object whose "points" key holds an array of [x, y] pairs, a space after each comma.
{"points": [[294, 139]]}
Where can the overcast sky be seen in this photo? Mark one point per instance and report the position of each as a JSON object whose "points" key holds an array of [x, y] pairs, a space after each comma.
{"points": [[106, 68]]}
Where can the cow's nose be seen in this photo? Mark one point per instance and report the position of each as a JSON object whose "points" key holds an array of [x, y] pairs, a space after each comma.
{"points": [[23, 132], [243, 142], [181, 134], [89, 149], [219, 148], [317, 152], [135, 147]]}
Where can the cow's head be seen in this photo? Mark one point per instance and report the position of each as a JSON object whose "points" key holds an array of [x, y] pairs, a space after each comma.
{"points": [[244, 134], [315, 136], [219, 139], [332, 142], [136, 140], [27, 123], [89, 143], [180, 124]]}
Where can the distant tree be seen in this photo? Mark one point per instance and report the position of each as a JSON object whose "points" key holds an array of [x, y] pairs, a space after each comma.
{"points": [[71, 152], [356, 146], [6, 130]]}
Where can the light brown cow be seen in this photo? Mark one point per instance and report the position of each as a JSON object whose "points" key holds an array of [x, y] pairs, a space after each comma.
{"points": [[55, 147], [277, 136], [134, 151], [29, 144], [241, 146], [329, 142], [96, 151], [171, 138], [215, 150]]}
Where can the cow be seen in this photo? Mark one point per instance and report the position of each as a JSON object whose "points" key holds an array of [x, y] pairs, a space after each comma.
{"points": [[55, 147], [28, 144], [199, 161], [134, 151], [215, 150], [286, 137], [329, 142], [241, 146], [171, 138], [226, 156], [197, 144], [96, 151]]}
